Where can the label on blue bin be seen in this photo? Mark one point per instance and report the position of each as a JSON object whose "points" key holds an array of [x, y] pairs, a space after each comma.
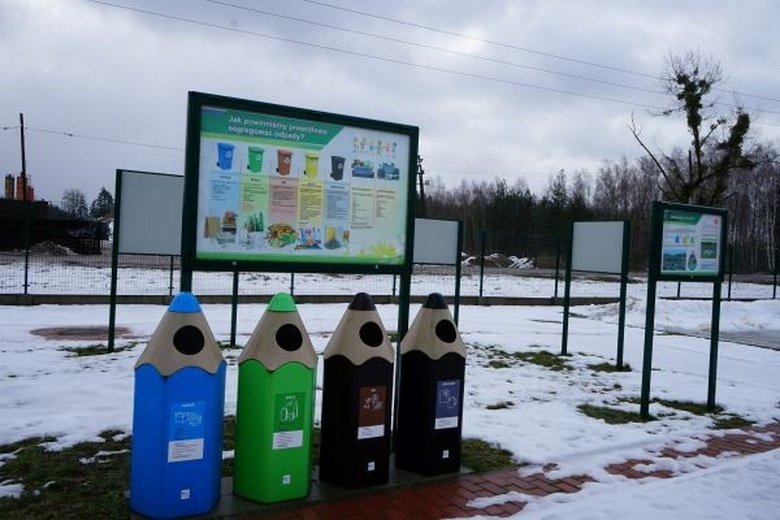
{"points": [[447, 404], [288, 421], [186, 431]]}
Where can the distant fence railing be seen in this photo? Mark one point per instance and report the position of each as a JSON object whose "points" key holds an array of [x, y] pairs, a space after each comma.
{"points": [[151, 275]]}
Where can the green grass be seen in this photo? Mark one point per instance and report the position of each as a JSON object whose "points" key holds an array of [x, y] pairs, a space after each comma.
{"points": [[498, 358], [608, 367], [90, 479], [543, 358], [226, 345], [729, 421], [481, 456], [501, 405], [611, 415], [689, 406], [97, 349], [72, 483]]}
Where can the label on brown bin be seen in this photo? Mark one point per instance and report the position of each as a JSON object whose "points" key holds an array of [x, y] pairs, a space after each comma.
{"points": [[371, 416]]}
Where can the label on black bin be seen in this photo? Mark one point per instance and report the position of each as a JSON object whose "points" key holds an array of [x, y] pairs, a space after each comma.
{"points": [[447, 404], [186, 431], [371, 416]]}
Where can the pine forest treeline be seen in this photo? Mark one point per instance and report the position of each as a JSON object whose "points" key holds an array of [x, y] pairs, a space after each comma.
{"points": [[517, 222]]}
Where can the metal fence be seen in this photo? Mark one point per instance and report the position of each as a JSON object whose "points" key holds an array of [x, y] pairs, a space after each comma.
{"points": [[149, 275]]}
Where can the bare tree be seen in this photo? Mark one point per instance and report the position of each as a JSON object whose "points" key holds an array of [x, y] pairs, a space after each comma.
{"points": [[717, 143], [74, 203]]}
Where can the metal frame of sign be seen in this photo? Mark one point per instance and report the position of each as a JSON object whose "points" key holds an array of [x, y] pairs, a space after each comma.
{"points": [[670, 220], [443, 257], [573, 263], [119, 245], [293, 260], [309, 124]]}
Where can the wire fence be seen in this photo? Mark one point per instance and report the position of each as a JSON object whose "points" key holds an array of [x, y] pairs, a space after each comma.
{"points": [[150, 275]]}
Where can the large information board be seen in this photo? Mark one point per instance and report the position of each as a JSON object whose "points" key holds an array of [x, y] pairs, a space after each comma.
{"points": [[689, 241], [280, 188]]}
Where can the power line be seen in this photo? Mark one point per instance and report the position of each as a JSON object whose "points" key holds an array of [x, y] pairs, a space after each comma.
{"points": [[378, 58], [435, 48], [513, 46], [103, 139]]}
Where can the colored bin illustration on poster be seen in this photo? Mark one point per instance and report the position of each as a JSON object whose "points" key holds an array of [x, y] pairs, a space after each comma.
{"points": [[255, 159], [225, 154]]}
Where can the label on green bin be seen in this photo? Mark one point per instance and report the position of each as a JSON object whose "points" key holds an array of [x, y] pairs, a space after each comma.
{"points": [[288, 421], [447, 401], [186, 431]]}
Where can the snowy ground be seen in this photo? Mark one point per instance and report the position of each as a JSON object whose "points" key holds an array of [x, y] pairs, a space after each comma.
{"points": [[45, 390]]}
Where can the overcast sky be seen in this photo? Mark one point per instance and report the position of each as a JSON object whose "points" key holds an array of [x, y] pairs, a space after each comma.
{"points": [[91, 78]]}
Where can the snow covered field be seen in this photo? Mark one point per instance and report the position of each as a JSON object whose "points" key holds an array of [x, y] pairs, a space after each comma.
{"points": [[526, 408]]}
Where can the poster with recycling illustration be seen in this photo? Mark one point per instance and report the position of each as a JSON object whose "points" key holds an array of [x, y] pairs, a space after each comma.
{"points": [[692, 241], [282, 185]]}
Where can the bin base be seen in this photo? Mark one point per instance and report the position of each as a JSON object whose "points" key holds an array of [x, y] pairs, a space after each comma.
{"points": [[230, 504]]}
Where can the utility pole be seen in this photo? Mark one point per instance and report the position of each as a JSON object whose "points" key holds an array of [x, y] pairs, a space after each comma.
{"points": [[24, 159], [420, 173], [26, 208]]}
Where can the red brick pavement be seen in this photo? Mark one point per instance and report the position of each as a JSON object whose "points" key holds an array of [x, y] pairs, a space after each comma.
{"points": [[446, 499]]}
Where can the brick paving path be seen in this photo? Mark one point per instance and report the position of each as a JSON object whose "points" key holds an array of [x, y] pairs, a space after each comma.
{"points": [[446, 499]]}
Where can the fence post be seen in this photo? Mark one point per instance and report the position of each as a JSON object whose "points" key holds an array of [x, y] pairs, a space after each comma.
{"points": [[482, 265], [557, 265], [774, 279], [731, 268], [292, 284], [170, 279]]}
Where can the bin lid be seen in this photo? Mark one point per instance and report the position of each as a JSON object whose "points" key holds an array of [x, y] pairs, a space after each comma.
{"points": [[182, 339], [433, 331], [280, 337], [360, 335]]}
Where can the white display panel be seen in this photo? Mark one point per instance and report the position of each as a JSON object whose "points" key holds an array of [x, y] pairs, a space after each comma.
{"points": [[597, 247], [150, 213], [435, 241]]}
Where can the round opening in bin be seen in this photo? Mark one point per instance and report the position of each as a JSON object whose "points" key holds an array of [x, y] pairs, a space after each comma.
{"points": [[371, 334], [188, 340], [289, 337], [445, 331]]}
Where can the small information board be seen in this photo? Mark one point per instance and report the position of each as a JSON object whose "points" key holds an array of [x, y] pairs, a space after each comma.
{"points": [[690, 242]]}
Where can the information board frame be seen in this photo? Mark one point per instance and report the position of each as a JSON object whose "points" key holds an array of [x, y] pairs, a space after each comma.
{"points": [[677, 224], [195, 257], [668, 222]]}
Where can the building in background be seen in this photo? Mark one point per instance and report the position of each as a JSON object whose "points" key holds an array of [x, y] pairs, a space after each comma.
{"points": [[14, 188]]}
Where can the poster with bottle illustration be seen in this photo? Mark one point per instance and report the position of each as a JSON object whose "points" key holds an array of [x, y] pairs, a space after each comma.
{"points": [[691, 243], [283, 189]]}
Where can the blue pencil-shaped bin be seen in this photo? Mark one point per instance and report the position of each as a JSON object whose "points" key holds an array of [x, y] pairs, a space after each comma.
{"points": [[176, 458]]}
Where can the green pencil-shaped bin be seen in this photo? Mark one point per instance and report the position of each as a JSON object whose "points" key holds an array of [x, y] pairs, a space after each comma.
{"points": [[275, 410]]}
